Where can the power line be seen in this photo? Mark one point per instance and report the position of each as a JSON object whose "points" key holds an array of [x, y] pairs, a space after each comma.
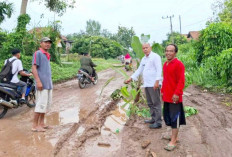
{"points": [[195, 23]]}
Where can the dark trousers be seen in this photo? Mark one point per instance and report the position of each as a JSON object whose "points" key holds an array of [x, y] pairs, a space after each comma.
{"points": [[154, 103]]}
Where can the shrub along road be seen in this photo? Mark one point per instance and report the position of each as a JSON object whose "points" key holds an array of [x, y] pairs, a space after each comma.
{"points": [[77, 117]]}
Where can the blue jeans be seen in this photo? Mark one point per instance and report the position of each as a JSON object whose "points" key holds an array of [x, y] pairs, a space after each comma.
{"points": [[21, 84]]}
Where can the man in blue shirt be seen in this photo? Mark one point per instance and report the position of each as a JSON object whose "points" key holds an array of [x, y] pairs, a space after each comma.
{"points": [[41, 70]]}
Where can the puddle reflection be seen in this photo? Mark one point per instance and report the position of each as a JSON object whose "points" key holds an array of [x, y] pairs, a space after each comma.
{"points": [[70, 115]]}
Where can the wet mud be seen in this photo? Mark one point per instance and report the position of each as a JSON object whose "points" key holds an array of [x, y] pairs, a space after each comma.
{"points": [[71, 115], [87, 125]]}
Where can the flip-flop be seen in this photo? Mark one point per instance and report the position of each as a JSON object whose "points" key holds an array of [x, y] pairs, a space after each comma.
{"points": [[47, 127], [169, 148], [38, 130], [33, 130], [168, 138]]}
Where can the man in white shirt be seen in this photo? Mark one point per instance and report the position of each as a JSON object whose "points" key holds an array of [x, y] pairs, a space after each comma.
{"points": [[151, 69], [17, 67]]}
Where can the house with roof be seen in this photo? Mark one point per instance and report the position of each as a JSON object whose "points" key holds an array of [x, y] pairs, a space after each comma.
{"points": [[193, 35]]}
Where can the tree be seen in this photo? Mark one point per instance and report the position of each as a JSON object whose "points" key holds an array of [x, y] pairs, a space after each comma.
{"points": [[57, 6], [178, 39], [93, 28], [222, 11], [6, 10], [226, 14], [124, 36], [98, 46], [105, 33]]}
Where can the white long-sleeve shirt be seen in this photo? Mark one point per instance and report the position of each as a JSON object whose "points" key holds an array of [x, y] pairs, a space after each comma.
{"points": [[151, 69]]}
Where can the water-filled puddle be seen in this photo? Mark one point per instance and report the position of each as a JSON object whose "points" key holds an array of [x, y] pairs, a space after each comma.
{"points": [[70, 115], [115, 122]]}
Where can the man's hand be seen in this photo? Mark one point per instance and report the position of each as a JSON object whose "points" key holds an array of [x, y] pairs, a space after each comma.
{"points": [[128, 81], [175, 98], [156, 86], [30, 74], [39, 85]]}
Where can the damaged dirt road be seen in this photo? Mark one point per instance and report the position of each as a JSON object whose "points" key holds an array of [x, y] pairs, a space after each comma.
{"points": [[86, 125]]}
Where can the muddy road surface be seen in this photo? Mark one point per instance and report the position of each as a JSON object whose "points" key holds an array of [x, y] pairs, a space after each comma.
{"points": [[207, 134], [86, 125], [72, 114]]}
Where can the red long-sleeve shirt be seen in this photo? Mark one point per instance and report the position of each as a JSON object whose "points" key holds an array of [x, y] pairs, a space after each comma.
{"points": [[173, 80]]}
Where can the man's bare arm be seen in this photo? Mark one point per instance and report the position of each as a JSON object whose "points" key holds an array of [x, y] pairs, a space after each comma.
{"points": [[36, 76]]}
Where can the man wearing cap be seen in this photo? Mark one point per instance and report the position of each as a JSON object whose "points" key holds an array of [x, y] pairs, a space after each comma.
{"points": [[17, 68], [41, 70]]}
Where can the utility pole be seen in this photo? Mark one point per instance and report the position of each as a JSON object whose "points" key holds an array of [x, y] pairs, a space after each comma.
{"points": [[180, 23], [170, 17]]}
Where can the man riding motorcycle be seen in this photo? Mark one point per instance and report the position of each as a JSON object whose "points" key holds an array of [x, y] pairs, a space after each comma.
{"points": [[18, 68], [87, 64]]}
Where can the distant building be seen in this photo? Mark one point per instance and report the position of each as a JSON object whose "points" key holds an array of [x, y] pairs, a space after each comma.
{"points": [[194, 35]]}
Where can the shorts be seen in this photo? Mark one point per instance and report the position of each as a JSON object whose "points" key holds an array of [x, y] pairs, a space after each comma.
{"points": [[43, 100], [174, 114]]}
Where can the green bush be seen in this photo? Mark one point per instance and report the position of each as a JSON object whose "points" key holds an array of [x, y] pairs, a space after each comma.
{"points": [[224, 66], [98, 47], [213, 40]]}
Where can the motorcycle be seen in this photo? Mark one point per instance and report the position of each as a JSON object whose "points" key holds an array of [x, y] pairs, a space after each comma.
{"points": [[10, 95], [84, 78], [128, 65]]}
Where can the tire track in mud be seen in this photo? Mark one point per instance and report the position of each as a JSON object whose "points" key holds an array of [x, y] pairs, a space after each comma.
{"points": [[212, 122], [90, 130], [207, 134], [96, 127], [92, 120]]}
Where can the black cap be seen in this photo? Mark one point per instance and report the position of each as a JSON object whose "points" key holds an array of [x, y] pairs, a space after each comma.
{"points": [[15, 51]]}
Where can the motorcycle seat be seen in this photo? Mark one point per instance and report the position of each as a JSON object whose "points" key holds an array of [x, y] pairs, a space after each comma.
{"points": [[8, 85]]}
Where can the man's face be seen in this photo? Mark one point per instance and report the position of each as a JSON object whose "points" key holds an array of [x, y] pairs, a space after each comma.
{"points": [[170, 52], [18, 55], [46, 45], [146, 49]]}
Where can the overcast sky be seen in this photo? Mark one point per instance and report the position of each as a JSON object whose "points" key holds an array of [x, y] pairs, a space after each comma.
{"points": [[145, 16]]}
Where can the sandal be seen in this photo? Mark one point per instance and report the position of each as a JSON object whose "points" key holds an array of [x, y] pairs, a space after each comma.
{"points": [[169, 147], [168, 138], [47, 127], [38, 130]]}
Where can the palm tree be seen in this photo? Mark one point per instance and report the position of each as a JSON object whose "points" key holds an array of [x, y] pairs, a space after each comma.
{"points": [[23, 7], [6, 10]]}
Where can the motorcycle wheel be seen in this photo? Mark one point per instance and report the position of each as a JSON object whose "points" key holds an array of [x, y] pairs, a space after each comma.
{"points": [[95, 79], [31, 99], [3, 111], [82, 84]]}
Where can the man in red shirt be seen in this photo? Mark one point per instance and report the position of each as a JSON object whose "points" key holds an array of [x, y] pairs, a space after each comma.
{"points": [[171, 92]]}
